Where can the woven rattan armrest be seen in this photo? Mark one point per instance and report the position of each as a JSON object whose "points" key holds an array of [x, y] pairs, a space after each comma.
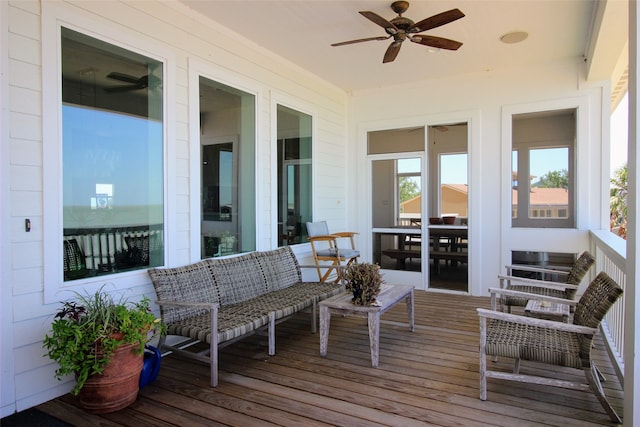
{"points": [[541, 323], [188, 304], [523, 281], [337, 267], [526, 295], [562, 271]]}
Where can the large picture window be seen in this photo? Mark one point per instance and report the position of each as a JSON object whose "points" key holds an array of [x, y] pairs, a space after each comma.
{"points": [[112, 158]]}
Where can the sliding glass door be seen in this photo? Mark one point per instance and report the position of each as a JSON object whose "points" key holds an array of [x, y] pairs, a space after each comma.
{"points": [[396, 162]]}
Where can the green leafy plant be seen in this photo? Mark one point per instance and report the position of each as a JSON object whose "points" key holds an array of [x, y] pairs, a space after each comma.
{"points": [[618, 201], [85, 333], [364, 280]]}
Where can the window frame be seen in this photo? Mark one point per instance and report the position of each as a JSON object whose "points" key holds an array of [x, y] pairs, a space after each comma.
{"points": [[54, 17]]}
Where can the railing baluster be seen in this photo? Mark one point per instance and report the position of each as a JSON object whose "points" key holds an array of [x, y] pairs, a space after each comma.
{"points": [[610, 252]]}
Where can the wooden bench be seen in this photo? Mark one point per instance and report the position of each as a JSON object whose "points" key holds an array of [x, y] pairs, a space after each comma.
{"points": [[456, 257], [221, 300], [449, 256], [401, 255]]}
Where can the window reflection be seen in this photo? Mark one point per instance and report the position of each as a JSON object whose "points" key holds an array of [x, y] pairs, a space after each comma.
{"points": [[227, 140], [112, 139], [294, 175]]}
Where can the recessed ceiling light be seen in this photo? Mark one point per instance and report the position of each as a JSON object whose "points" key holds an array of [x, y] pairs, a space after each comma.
{"points": [[514, 37]]}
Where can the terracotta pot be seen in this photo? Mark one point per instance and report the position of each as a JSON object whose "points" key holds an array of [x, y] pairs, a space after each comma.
{"points": [[117, 387], [449, 220]]}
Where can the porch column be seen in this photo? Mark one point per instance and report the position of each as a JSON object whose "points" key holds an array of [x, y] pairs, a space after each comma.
{"points": [[632, 309]]}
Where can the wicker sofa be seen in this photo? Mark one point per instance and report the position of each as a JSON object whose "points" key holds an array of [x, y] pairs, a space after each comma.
{"points": [[219, 301]]}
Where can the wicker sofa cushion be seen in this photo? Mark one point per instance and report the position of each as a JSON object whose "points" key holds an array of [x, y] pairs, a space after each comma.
{"points": [[279, 267], [234, 321], [190, 283], [237, 279]]}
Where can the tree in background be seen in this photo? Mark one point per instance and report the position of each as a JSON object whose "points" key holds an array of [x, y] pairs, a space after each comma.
{"points": [[553, 179], [618, 202], [408, 189]]}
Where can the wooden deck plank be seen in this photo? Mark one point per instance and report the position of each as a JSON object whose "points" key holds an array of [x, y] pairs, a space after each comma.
{"points": [[426, 377]]}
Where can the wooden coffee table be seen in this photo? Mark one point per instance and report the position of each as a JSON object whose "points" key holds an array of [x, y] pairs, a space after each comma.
{"points": [[341, 304]]}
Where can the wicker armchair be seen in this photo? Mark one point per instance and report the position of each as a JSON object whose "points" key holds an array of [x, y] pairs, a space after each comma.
{"points": [[549, 342], [564, 287], [325, 247]]}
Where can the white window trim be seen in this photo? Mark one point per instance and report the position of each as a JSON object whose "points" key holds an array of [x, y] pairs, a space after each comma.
{"points": [[279, 98], [54, 16], [567, 238], [212, 72]]}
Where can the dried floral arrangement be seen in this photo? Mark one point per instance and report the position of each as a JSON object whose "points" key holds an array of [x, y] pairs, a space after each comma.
{"points": [[364, 280]]}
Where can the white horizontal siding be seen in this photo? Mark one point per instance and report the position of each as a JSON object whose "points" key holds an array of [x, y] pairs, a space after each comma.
{"points": [[186, 35]]}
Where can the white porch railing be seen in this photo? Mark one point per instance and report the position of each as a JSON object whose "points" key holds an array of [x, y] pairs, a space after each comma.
{"points": [[611, 257]]}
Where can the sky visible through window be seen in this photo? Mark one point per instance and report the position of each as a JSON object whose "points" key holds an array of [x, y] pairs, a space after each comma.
{"points": [[110, 148]]}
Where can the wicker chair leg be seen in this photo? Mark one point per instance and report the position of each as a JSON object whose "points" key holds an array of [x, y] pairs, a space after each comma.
{"points": [[483, 359], [272, 333], [596, 387], [601, 376], [213, 347], [314, 315]]}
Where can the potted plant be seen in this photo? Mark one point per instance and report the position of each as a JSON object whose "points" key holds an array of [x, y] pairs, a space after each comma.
{"points": [[364, 280], [101, 342]]}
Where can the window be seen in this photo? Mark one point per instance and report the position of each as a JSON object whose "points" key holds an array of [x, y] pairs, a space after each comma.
{"points": [[227, 159], [543, 169], [294, 175], [454, 185], [409, 182], [112, 158]]}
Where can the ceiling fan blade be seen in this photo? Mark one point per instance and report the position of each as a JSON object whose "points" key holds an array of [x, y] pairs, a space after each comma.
{"points": [[377, 19], [119, 89], [392, 52], [122, 77], [360, 40], [438, 42], [436, 21]]}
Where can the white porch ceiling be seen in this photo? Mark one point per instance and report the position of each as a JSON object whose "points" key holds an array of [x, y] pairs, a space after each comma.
{"points": [[302, 32]]}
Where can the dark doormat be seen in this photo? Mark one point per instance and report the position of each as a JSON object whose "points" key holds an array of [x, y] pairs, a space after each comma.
{"points": [[32, 418]]}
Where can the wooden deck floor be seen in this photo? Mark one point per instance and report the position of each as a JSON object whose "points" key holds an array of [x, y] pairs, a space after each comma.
{"points": [[428, 377]]}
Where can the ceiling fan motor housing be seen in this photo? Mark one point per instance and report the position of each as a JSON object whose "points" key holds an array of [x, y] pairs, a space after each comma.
{"points": [[402, 23]]}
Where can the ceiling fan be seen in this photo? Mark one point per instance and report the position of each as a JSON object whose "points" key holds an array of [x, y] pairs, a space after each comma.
{"points": [[445, 128], [401, 28], [135, 83]]}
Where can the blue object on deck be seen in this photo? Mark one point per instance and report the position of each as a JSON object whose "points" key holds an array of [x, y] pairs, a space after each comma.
{"points": [[151, 365]]}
